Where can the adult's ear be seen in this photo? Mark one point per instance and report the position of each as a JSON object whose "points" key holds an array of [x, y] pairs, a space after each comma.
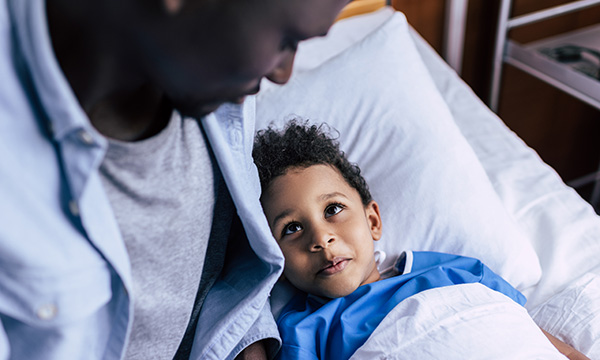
{"points": [[173, 6], [374, 219]]}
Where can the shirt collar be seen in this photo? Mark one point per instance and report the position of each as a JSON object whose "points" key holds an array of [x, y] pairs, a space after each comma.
{"points": [[58, 100]]}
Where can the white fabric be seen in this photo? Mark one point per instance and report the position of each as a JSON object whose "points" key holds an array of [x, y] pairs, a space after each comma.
{"points": [[432, 191], [563, 228], [467, 321], [573, 315]]}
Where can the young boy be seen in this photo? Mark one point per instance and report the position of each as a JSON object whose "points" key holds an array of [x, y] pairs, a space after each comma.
{"points": [[320, 211]]}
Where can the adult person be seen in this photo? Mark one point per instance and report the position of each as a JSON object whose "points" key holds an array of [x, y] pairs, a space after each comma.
{"points": [[121, 174]]}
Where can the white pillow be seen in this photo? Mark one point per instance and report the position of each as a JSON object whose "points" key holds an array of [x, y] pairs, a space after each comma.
{"points": [[432, 191]]}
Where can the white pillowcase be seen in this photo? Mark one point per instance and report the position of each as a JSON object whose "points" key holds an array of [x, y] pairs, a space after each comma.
{"points": [[432, 191]]}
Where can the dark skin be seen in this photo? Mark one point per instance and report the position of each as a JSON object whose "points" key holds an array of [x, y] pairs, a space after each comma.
{"points": [[120, 103], [152, 56], [255, 351], [131, 63]]}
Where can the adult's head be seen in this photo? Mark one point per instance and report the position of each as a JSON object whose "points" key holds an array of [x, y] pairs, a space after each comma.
{"points": [[197, 53]]}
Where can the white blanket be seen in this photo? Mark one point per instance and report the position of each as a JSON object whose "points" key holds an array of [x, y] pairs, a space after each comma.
{"points": [[467, 321]]}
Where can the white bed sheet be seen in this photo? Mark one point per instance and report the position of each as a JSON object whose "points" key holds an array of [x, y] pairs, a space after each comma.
{"points": [[453, 323], [562, 227]]}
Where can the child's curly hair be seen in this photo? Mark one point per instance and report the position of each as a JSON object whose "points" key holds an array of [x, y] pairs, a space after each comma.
{"points": [[303, 145]]}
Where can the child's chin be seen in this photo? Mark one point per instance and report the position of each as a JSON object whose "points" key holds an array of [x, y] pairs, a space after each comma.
{"points": [[338, 293]]}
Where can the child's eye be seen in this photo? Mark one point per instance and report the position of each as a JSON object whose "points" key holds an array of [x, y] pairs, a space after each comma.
{"points": [[291, 228], [333, 209]]}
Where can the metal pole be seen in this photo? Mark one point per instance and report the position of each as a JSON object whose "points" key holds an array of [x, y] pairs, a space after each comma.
{"points": [[501, 35], [551, 12], [454, 36]]}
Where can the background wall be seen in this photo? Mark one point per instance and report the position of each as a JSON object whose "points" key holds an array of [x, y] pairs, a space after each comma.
{"points": [[564, 131]]}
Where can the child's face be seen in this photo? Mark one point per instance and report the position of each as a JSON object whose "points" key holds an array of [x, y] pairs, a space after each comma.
{"points": [[324, 230]]}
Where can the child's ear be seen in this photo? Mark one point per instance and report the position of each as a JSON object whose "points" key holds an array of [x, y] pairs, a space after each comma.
{"points": [[374, 219]]}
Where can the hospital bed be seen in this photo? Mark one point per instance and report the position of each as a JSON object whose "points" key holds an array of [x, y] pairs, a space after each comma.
{"points": [[446, 171]]}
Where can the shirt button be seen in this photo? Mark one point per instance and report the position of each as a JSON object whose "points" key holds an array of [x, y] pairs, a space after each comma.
{"points": [[86, 137], [47, 311], [74, 208]]}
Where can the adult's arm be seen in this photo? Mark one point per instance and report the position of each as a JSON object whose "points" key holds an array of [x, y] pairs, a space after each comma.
{"points": [[256, 351], [565, 349], [262, 341]]}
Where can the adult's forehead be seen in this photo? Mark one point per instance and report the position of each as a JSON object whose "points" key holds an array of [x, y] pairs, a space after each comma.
{"points": [[309, 15], [307, 18], [313, 16]]}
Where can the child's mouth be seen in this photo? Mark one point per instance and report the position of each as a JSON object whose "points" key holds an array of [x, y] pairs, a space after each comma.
{"points": [[335, 266]]}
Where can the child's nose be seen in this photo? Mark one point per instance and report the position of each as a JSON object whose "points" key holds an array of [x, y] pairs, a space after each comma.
{"points": [[322, 239], [283, 71]]}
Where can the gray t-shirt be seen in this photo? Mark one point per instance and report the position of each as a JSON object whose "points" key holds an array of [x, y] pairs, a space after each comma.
{"points": [[163, 191]]}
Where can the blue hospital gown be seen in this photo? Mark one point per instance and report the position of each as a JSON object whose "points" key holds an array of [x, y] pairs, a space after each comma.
{"points": [[316, 328]]}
